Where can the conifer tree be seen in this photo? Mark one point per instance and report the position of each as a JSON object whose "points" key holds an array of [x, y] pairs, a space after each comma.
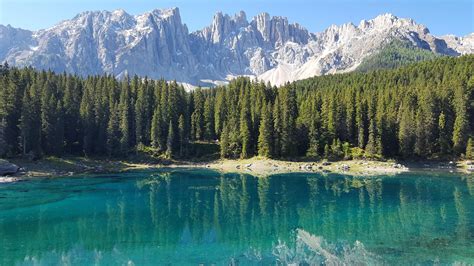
{"points": [[289, 114], [209, 126], [224, 141], [461, 125], [26, 125], [265, 138], [470, 149], [245, 134], [72, 102], [313, 135], [113, 132], [406, 133], [49, 118], [170, 141], [197, 117], [444, 139], [3, 143], [183, 140], [157, 136], [277, 127], [124, 109], [87, 119]]}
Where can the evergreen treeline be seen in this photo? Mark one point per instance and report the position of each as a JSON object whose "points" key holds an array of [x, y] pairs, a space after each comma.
{"points": [[396, 54], [424, 110]]}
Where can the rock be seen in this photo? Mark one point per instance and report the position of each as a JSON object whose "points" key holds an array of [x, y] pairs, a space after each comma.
{"points": [[397, 166], [7, 168], [158, 44]]}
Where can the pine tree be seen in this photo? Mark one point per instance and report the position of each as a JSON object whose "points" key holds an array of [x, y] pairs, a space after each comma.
{"points": [[327, 152], [170, 141], [444, 139], [209, 126], [277, 127], [157, 137], [72, 102], [360, 110], [371, 147], [406, 133], [124, 109], [113, 132], [48, 118], [224, 141], [313, 135], [59, 129], [10, 103], [289, 114], [461, 125], [265, 138], [470, 149], [197, 117], [245, 133], [87, 119], [219, 110], [183, 140], [140, 116], [26, 124]]}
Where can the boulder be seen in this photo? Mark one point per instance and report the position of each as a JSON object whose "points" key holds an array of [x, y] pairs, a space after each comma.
{"points": [[7, 168]]}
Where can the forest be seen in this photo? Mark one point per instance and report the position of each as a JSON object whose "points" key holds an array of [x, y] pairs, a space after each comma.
{"points": [[420, 111]]}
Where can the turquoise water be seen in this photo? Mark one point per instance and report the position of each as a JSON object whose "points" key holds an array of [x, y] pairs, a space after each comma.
{"points": [[191, 217]]}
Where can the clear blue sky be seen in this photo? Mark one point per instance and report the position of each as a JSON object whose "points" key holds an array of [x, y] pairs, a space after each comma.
{"points": [[440, 16]]}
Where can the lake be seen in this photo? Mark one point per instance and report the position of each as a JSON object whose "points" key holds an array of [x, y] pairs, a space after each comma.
{"points": [[197, 216]]}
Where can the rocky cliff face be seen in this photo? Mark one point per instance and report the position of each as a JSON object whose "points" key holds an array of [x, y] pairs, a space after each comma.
{"points": [[157, 44]]}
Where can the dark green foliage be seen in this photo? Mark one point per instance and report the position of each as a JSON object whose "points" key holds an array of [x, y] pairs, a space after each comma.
{"points": [[396, 54], [157, 135], [183, 137], [265, 137], [170, 141], [113, 132], [470, 150], [424, 110]]}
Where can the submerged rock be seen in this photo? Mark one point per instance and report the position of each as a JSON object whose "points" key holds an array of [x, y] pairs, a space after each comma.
{"points": [[7, 168]]}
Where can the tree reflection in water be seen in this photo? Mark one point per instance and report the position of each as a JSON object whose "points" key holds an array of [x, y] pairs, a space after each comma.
{"points": [[200, 216]]}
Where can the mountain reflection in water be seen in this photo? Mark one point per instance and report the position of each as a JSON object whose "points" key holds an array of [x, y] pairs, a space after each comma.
{"points": [[200, 216]]}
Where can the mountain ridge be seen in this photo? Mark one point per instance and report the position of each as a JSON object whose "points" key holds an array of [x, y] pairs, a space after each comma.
{"points": [[158, 44]]}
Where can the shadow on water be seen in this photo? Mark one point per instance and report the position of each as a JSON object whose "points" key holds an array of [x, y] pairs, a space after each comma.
{"points": [[200, 216]]}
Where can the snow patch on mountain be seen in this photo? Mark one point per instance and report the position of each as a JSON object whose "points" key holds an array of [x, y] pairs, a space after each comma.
{"points": [[158, 45]]}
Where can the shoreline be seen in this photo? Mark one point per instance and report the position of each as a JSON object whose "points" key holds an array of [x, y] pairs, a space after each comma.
{"points": [[70, 166]]}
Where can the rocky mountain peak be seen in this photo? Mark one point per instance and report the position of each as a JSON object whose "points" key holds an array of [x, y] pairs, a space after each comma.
{"points": [[223, 26], [157, 44]]}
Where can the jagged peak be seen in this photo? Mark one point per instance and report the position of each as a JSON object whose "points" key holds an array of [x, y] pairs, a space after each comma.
{"points": [[263, 15], [386, 16], [166, 12], [119, 12], [239, 17]]}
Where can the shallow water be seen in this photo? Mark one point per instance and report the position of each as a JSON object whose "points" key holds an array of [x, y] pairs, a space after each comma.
{"points": [[190, 217]]}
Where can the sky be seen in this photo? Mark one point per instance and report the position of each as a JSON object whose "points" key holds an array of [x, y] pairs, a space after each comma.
{"points": [[440, 16]]}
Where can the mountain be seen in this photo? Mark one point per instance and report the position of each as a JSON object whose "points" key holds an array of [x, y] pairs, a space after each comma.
{"points": [[157, 44]]}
